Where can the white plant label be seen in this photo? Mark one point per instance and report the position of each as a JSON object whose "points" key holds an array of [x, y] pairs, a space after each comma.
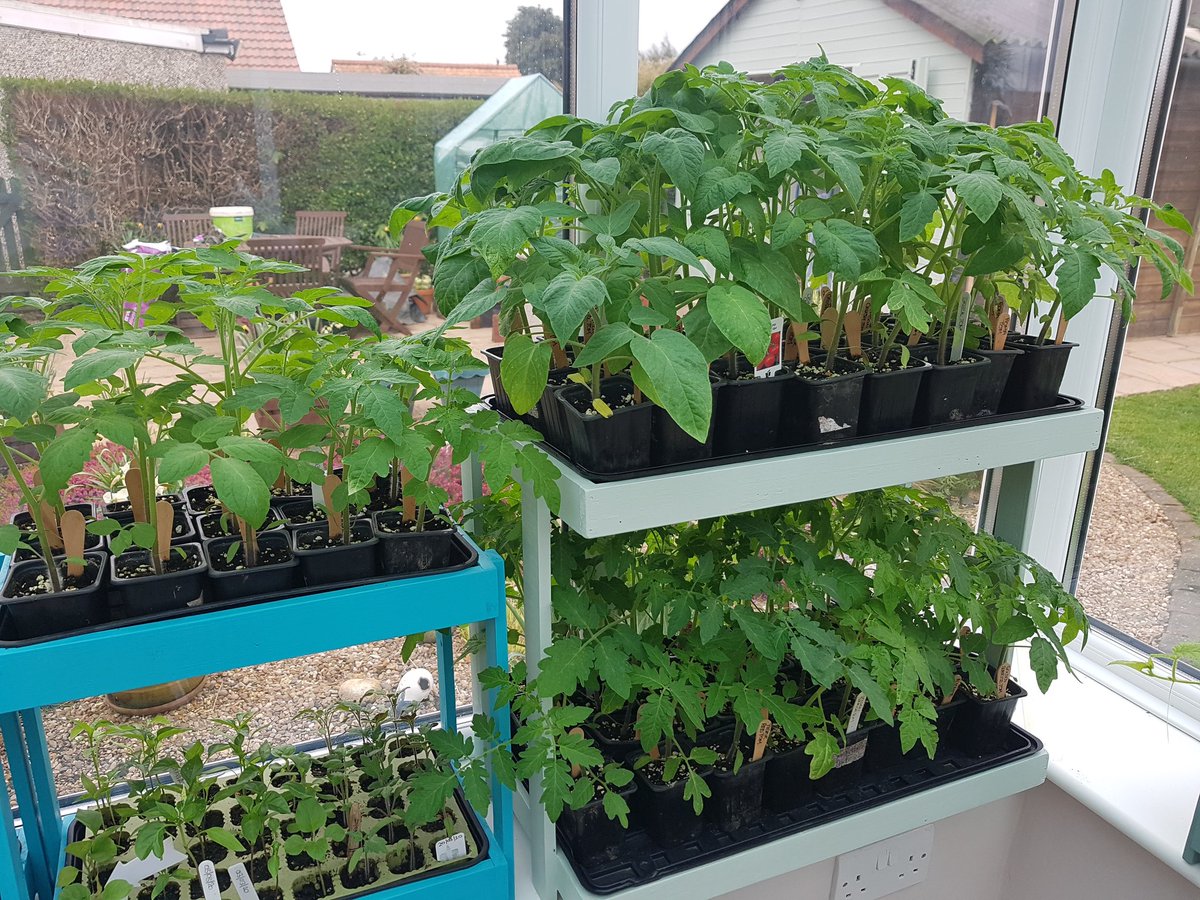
{"points": [[208, 881], [853, 753], [451, 848], [856, 711], [140, 869], [242, 883]]}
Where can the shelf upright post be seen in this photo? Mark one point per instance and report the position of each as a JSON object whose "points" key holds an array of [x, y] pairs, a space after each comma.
{"points": [[12, 873], [40, 821]]}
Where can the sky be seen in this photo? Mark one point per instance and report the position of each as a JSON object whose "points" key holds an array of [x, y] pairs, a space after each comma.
{"points": [[450, 30]]}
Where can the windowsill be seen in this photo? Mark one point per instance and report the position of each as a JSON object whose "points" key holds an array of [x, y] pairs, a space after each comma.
{"points": [[1126, 764]]}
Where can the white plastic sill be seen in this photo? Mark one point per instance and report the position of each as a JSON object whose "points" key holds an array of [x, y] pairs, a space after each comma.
{"points": [[1127, 765]]}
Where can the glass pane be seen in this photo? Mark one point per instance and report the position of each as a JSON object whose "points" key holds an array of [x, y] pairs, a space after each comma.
{"points": [[1138, 572]]}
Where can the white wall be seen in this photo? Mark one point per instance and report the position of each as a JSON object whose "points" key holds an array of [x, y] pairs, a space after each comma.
{"points": [[865, 34]]}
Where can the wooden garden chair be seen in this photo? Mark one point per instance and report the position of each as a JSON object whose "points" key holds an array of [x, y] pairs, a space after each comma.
{"points": [[302, 250], [386, 280], [183, 228], [328, 224]]}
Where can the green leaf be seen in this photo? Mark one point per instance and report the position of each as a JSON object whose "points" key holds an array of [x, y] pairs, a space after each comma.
{"points": [[742, 318], [612, 665], [702, 331], [1173, 218], [712, 244], [915, 215], [1017, 628], [847, 171], [225, 839], [311, 815], [64, 457], [568, 662], [525, 368], [602, 171], [712, 618], [479, 299], [823, 748], [613, 224], [674, 374], [717, 186], [21, 392], [99, 364], [616, 808], [768, 273], [913, 301], [500, 233], [996, 256], [116, 890], [844, 249], [240, 488], [680, 153], [1044, 662], [980, 191], [604, 343], [1076, 279], [181, 461], [664, 246], [787, 229], [214, 427], [784, 148], [568, 299]]}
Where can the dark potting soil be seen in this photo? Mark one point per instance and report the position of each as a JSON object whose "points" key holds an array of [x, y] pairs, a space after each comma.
{"points": [[408, 526], [307, 517], [366, 872], [406, 859], [196, 889], [892, 364], [124, 506], [175, 562], [612, 730], [214, 818], [203, 498], [781, 743], [33, 584], [268, 893], [316, 540], [216, 524], [267, 556], [170, 892], [584, 403], [300, 862], [319, 885], [653, 773]]}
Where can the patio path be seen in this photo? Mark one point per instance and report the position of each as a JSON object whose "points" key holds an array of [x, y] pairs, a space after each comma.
{"points": [[1159, 364]]}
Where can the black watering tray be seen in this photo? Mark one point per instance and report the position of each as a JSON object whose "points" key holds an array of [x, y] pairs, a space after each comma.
{"points": [[640, 860], [464, 553], [1063, 404]]}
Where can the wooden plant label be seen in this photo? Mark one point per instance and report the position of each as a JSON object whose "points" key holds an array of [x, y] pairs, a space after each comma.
{"points": [[576, 769], [854, 327], [332, 483], [410, 502], [1062, 330], [589, 325], [137, 500], [856, 711], [560, 355], [50, 523], [282, 483], [353, 825], [761, 736], [1002, 675], [166, 525], [208, 881], [954, 690], [654, 753], [915, 338], [242, 883], [74, 530], [1001, 322], [828, 326]]}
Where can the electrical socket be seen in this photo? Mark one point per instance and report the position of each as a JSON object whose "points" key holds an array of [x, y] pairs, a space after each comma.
{"points": [[883, 868]]}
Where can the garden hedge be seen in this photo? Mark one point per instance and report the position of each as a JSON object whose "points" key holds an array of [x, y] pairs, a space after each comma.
{"points": [[100, 163]]}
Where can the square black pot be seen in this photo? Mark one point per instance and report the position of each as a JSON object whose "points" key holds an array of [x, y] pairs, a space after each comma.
{"points": [[619, 443], [816, 410], [201, 499], [848, 766], [889, 399], [981, 725], [24, 520], [1036, 375], [993, 380], [617, 750], [667, 816], [746, 411], [737, 797], [405, 552], [670, 444], [62, 611], [209, 526], [91, 542], [948, 392], [268, 579], [343, 562], [884, 749], [122, 510], [146, 595], [594, 837], [299, 506], [786, 784]]}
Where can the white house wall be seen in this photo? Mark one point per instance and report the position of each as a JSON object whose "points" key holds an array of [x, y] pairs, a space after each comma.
{"points": [[865, 34]]}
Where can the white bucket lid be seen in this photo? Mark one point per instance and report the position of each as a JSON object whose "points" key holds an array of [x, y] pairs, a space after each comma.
{"points": [[231, 211]]}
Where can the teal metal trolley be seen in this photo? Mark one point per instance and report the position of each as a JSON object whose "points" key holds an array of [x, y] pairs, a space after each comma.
{"points": [[123, 658]]}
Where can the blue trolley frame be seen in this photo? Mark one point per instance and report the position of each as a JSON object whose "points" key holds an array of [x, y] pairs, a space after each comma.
{"points": [[128, 657]]}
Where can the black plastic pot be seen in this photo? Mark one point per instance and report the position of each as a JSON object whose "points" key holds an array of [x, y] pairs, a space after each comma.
{"points": [[814, 410], [183, 529], [737, 797], [595, 838], [547, 415], [992, 381], [200, 499], [948, 392], [614, 444], [889, 399], [786, 784], [667, 816], [208, 526], [746, 410], [147, 595], [670, 444], [405, 552], [122, 510], [268, 579], [344, 562], [1036, 375], [848, 767], [296, 507], [884, 749], [981, 725], [62, 611], [493, 355], [90, 542], [24, 520], [618, 750]]}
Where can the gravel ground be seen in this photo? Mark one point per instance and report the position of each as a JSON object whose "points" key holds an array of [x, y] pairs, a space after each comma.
{"points": [[1131, 556], [273, 692]]}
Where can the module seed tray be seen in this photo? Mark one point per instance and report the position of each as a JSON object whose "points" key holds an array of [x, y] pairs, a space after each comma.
{"points": [[639, 860]]}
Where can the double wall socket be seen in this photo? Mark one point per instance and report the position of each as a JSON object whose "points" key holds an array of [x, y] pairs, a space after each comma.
{"points": [[883, 868]]}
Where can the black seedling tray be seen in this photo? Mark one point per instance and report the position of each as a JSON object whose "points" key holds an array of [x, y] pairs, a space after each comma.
{"points": [[1064, 404], [467, 554], [640, 860]]}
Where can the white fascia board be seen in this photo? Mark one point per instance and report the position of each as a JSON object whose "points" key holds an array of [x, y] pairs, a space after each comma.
{"points": [[107, 28]]}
